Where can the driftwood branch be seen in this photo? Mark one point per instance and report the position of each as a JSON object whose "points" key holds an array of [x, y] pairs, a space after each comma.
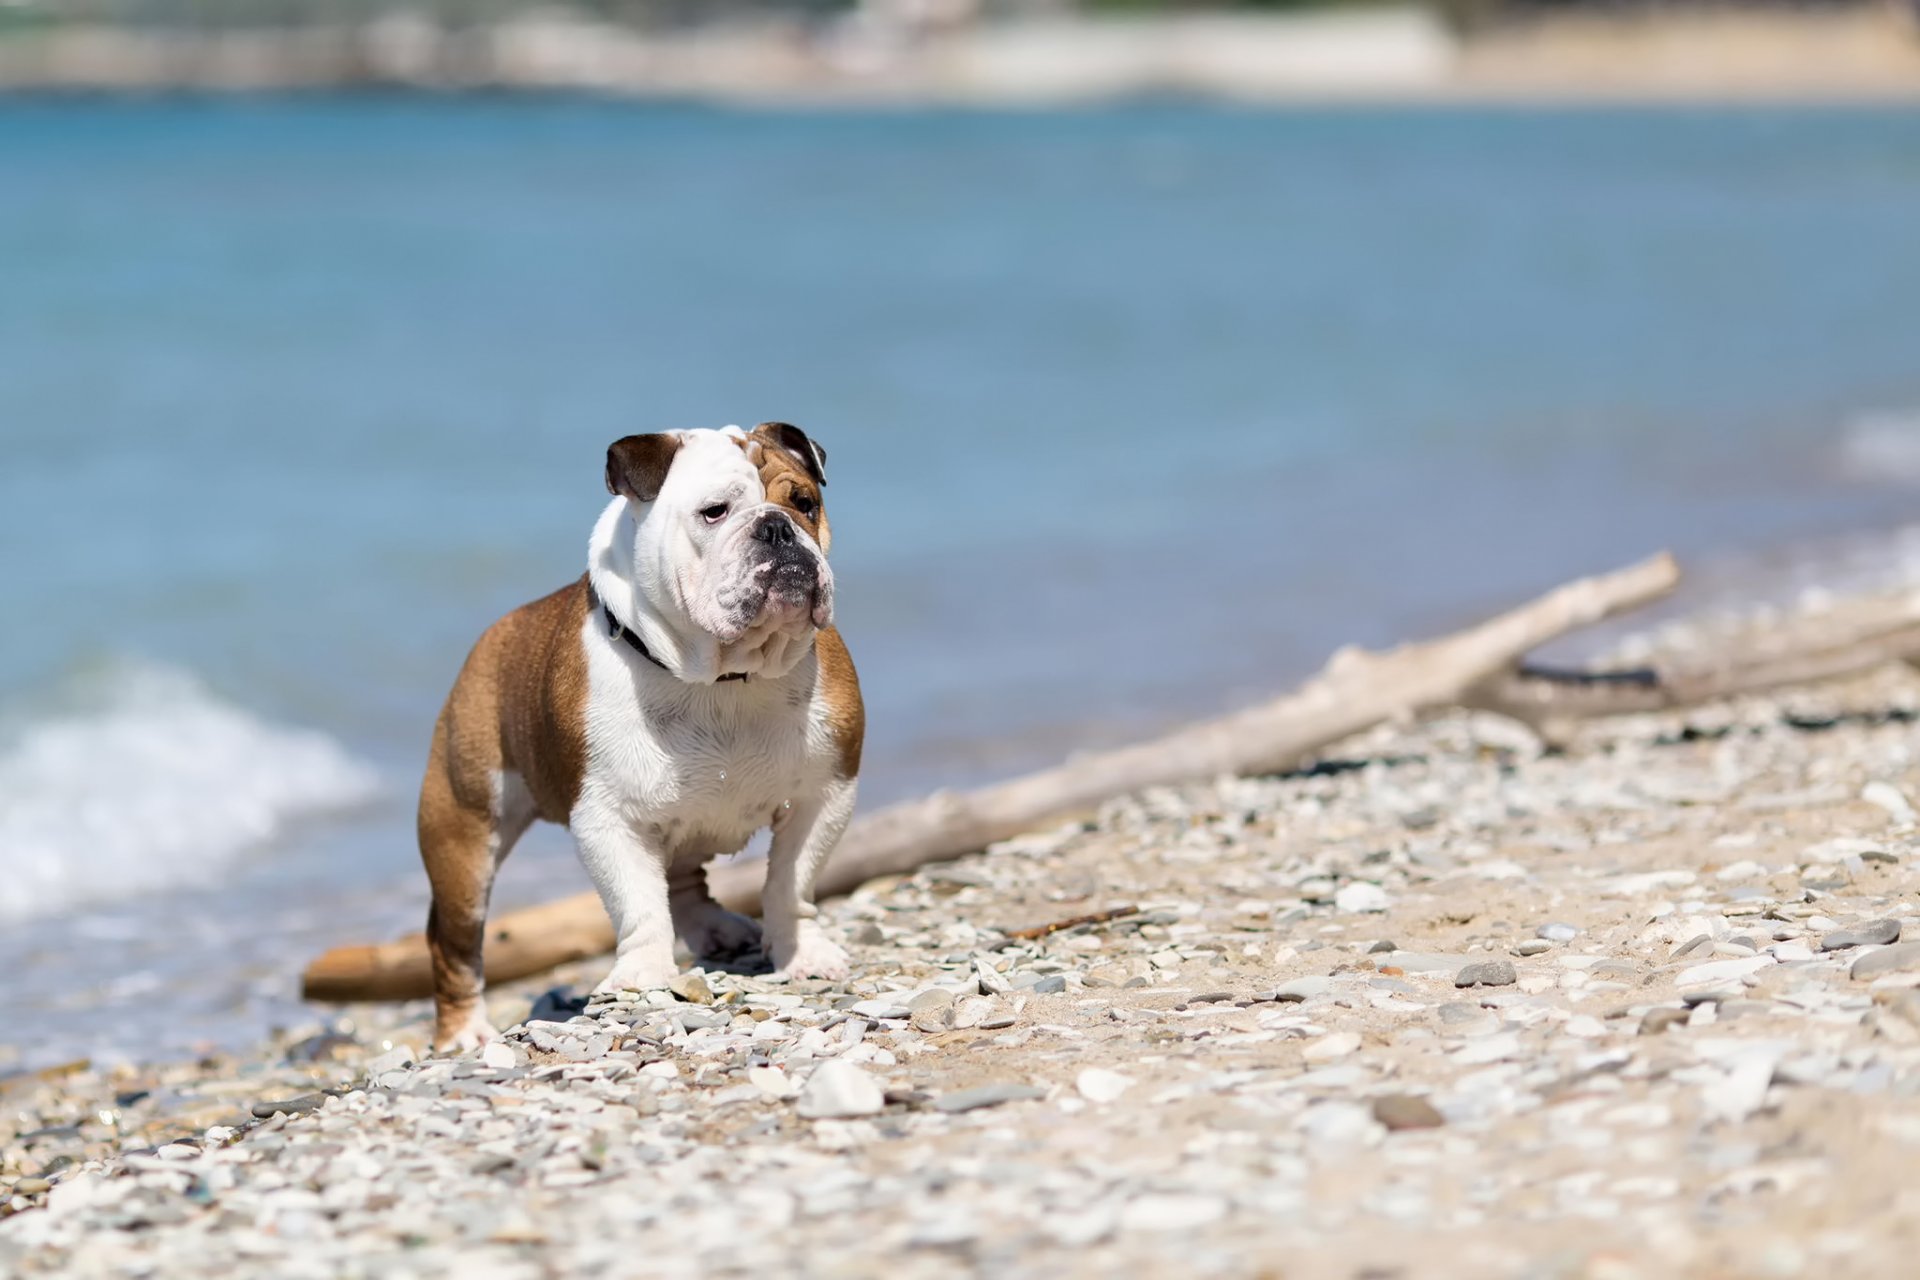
{"points": [[1864, 635], [1356, 691]]}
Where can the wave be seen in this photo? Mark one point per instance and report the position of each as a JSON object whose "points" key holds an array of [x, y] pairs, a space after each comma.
{"points": [[139, 779]]}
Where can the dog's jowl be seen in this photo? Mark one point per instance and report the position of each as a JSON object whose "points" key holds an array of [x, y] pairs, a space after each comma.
{"points": [[688, 690]]}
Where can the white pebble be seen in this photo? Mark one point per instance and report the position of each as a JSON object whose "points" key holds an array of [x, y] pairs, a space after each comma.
{"points": [[1361, 896], [1097, 1084], [838, 1089], [1172, 1212], [1327, 1048]]}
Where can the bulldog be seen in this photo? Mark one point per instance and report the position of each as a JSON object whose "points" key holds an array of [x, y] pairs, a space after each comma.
{"points": [[686, 691]]}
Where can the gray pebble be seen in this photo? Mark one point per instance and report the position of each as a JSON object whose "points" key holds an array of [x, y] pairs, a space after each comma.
{"points": [[1893, 959], [1556, 931], [1533, 947], [1699, 944], [986, 1095], [932, 1011], [1872, 934], [1463, 1014], [1487, 973], [881, 1009], [1302, 989]]}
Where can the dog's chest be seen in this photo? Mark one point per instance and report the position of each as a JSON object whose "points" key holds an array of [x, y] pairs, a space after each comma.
{"points": [[714, 760]]}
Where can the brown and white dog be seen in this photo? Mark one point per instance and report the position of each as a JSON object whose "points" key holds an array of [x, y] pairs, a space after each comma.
{"points": [[687, 691]]}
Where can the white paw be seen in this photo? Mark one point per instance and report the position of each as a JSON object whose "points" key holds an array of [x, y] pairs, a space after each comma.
{"points": [[712, 932], [814, 955], [467, 1036], [631, 974]]}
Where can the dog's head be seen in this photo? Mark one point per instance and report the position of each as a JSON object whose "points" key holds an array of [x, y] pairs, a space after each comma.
{"points": [[727, 537]]}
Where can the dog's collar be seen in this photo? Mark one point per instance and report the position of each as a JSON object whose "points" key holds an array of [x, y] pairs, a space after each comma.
{"points": [[619, 630]]}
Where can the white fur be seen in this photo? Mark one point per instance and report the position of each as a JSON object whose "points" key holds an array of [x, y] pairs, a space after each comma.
{"points": [[679, 768]]}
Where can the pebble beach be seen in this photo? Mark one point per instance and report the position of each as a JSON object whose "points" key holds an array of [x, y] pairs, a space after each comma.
{"points": [[1447, 1004]]}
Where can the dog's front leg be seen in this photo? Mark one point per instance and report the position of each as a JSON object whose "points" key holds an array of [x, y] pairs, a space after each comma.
{"points": [[804, 833], [629, 868]]}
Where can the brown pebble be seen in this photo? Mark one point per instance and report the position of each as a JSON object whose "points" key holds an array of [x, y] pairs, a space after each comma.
{"points": [[31, 1186], [1658, 1020], [1406, 1111]]}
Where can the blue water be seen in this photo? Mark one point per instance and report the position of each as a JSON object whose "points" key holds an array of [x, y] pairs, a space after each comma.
{"points": [[1131, 414]]}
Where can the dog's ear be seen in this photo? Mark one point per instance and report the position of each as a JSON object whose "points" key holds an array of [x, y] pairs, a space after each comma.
{"points": [[784, 435], [637, 465]]}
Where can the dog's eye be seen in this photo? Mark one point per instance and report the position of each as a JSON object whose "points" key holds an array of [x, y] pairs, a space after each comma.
{"points": [[804, 505], [715, 513]]}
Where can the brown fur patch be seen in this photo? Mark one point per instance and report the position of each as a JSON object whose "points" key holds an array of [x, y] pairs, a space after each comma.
{"points": [[637, 465], [840, 686], [790, 485], [519, 705]]}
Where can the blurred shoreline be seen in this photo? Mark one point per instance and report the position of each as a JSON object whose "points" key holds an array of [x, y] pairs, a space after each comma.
{"points": [[1868, 54]]}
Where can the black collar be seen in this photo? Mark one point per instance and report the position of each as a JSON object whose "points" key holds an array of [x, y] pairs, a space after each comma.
{"points": [[620, 631]]}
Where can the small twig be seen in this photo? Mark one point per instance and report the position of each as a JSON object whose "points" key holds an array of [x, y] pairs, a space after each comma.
{"points": [[1071, 922]]}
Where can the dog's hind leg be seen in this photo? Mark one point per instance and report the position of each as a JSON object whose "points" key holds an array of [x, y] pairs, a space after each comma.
{"points": [[710, 931], [466, 832]]}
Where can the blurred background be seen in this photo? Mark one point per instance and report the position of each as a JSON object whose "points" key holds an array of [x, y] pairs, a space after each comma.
{"points": [[1158, 350]]}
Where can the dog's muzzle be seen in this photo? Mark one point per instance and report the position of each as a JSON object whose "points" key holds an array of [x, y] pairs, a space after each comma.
{"points": [[791, 566]]}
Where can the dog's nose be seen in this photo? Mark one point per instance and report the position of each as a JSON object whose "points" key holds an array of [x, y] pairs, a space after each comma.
{"points": [[775, 530]]}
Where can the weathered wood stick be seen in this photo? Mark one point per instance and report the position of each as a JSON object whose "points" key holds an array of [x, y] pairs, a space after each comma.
{"points": [[1355, 691], [519, 945]]}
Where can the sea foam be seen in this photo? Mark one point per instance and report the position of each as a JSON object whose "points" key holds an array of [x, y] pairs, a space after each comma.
{"points": [[142, 780]]}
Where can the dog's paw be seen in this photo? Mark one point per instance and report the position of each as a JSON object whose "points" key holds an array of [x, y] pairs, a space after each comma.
{"points": [[712, 932], [631, 974], [813, 955], [464, 1036]]}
